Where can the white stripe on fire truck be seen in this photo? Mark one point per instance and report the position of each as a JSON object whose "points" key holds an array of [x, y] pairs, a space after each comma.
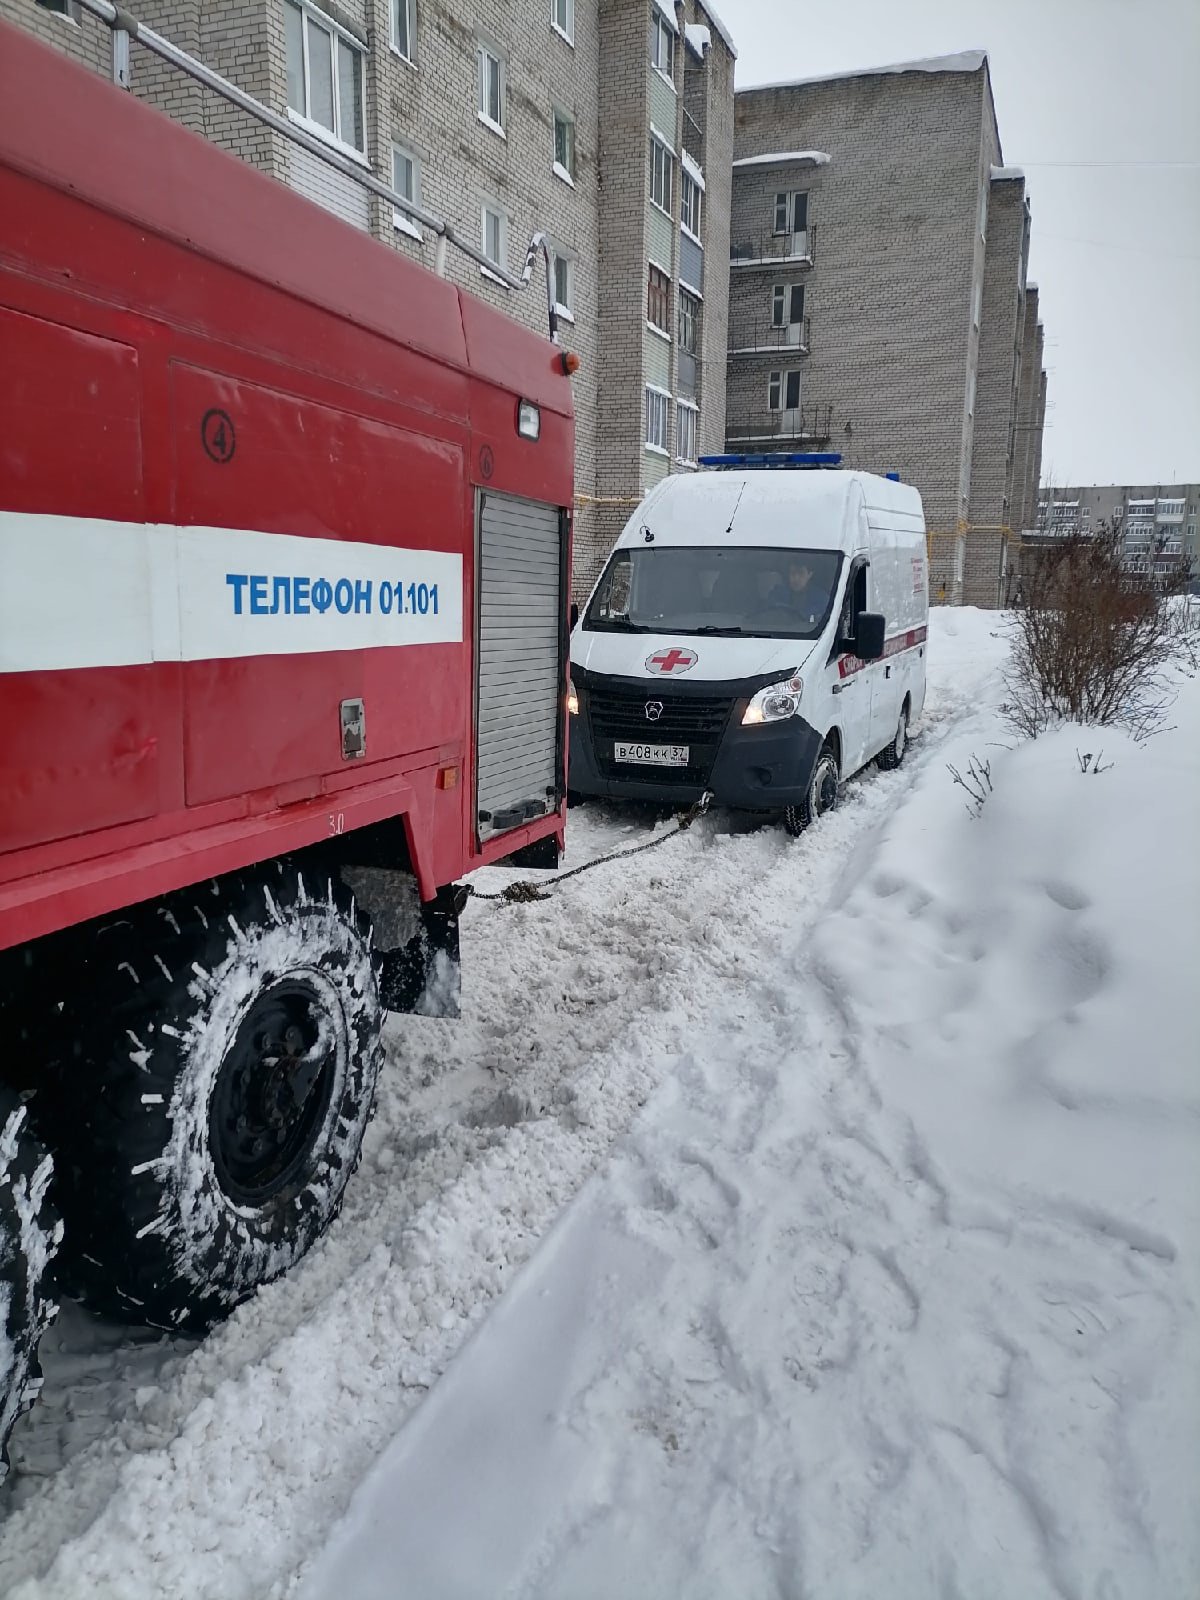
{"points": [[81, 592]]}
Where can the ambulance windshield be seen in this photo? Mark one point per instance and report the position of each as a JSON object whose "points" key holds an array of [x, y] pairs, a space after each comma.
{"points": [[734, 591]]}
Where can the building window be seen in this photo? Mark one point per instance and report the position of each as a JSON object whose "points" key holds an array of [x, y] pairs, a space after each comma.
{"points": [[791, 213], [494, 235], [564, 286], [406, 181], [689, 207], [404, 28], [70, 9], [783, 391], [324, 75], [656, 420], [658, 300], [689, 321], [562, 16], [662, 175], [564, 146], [662, 45], [491, 88], [787, 310], [687, 418]]}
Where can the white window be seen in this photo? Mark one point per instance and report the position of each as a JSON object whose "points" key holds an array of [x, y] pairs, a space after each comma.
{"points": [[689, 320], [406, 181], [404, 28], [656, 420], [662, 45], [494, 234], [783, 391], [70, 9], [689, 205], [562, 17], [324, 75], [688, 417], [564, 285], [791, 212], [491, 88], [662, 175], [564, 145]]}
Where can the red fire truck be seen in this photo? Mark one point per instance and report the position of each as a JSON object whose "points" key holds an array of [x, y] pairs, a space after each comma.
{"points": [[284, 553]]}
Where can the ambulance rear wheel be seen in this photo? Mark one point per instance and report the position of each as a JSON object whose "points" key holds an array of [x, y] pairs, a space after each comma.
{"points": [[821, 796], [29, 1236], [223, 1070], [890, 757]]}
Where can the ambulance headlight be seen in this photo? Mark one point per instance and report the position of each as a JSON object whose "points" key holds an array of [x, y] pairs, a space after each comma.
{"points": [[775, 703]]}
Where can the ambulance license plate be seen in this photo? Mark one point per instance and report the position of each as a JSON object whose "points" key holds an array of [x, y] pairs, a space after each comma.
{"points": [[652, 755]]}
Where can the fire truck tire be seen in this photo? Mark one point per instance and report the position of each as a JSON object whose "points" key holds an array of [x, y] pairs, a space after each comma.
{"points": [[226, 1054], [29, 1236]]}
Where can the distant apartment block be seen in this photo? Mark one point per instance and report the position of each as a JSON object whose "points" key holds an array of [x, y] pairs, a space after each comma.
{"points": [[605, 124], [878, 299], [1156, 521]]}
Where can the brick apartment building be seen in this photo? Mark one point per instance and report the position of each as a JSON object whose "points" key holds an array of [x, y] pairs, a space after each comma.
{"points": [[878, 301], [1157, 521], [606, 124]]}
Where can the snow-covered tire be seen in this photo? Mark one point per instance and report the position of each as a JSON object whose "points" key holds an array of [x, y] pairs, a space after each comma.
{"points": [[29, 1237], [224, 1054], [821, 795], [890, 757]]}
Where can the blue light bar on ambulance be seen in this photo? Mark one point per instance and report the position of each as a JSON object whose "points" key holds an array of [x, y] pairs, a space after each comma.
{"points": [[782, 459]]}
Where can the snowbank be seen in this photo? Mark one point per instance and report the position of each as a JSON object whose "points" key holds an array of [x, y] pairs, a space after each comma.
{"points": [[785, 158]]}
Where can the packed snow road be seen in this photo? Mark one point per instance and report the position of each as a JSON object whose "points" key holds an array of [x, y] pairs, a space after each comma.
{"points": [[770, 1232]]}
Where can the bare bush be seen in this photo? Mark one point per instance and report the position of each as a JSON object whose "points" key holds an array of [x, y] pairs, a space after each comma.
{"points": [[977, 781], [1095, 640]]}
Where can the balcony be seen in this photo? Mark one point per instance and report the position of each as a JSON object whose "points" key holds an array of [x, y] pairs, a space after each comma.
{"points": [[802, 428], [685, 375], [767, 249], [693, 138], [747, 338]]}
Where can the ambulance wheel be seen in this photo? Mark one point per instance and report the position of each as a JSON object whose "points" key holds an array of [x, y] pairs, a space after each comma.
{"points": [[29, 1236], [890, 757], [822, 795], [225, 1055]]}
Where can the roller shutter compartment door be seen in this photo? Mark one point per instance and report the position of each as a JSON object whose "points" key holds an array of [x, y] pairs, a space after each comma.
{"points": [[518, 756]]}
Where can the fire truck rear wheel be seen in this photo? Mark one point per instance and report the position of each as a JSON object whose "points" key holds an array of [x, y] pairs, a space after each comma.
{"points": [[226, 1057], [29, 1235]]}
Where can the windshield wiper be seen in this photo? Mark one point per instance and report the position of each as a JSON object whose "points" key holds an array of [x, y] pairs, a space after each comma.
{"points": [[728, 633], [616, 625]]}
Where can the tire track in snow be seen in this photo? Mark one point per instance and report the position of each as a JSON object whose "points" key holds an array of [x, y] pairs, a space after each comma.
{"points": [[223, 1471]]}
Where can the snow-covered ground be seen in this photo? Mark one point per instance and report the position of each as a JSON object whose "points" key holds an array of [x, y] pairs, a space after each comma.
{"points": [[813, 1217]]}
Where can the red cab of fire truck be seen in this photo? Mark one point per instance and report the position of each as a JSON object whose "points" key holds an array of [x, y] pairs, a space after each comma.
{"points": [[284, 556]]}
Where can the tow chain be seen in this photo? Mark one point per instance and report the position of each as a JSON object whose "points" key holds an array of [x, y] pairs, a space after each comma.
{"points": [[523, 893]]}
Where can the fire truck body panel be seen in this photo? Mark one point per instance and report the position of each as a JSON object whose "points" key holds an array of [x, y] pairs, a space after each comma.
{"points": [[246, 457]]}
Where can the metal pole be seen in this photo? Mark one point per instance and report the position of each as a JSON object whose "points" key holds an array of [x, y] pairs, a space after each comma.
{"points": [[127, 25]]}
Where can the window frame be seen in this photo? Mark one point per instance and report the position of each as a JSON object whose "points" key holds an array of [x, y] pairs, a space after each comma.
{"points": [[339, 37], [658, 294], [400, 221], [660, 30], [557, 116], [68, 10], [501, 265], [564, 309], [485, 52], [662, 153], [688, 318], [685, 179], [565, 30], [658, 403], [779, 381], [688, 408], [407, 8], [789, 197]]}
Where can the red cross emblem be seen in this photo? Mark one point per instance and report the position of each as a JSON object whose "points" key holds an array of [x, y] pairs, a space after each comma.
{"points": [[673, 660]]}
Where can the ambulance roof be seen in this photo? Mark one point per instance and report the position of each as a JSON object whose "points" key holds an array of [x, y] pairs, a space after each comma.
{"points": [[816, 510]]}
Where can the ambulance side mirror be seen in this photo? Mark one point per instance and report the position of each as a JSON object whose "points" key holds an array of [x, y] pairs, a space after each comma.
{"points": [[869, 635]]}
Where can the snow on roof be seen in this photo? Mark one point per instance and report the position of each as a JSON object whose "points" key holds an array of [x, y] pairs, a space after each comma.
{"points": [[964, 61], [668, 14], [1004, 174], [698, 37], [720, 27], [692, 167], [781, 158]]}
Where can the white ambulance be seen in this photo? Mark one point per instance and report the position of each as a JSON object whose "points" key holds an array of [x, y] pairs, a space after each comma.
{"points": [[758, 633]]}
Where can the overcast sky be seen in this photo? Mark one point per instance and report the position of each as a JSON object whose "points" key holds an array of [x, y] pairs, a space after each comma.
{"points": [[1099, 102]]}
